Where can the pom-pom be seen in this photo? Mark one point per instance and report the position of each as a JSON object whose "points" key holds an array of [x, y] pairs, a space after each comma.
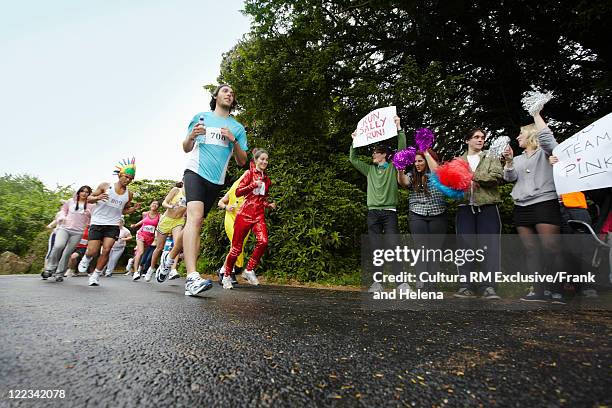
{"points": [[434, 182], [534, 101], [496, 150], [424, 139], [404, 158], [455, 174]]}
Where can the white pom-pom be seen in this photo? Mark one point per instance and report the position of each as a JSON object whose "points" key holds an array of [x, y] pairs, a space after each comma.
{"points": [[534, 101], [496, 150]]}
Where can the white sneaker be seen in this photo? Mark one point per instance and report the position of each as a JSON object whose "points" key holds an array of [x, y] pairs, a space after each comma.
{"points": [[136, 276], [173, 274], [375, 288], [161, 274], [227, 282], [148, 275], [128, 268], [94, 279], [108, 274], [194, 286], [251, 277], [84, 264], [404, 286], [70, 273]]}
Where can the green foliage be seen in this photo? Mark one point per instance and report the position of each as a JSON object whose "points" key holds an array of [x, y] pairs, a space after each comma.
{"points": [[314, 233], [27, 207]]}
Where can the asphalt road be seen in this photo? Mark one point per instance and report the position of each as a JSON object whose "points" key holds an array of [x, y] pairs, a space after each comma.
{"points": [[144, 344]]}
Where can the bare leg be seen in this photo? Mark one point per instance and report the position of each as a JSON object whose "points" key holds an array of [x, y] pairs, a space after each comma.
{"points": [[191, 235]]}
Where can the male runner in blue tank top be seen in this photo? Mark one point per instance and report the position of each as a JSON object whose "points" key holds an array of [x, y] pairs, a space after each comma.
{"points": [[213, 137], [112, 201]]}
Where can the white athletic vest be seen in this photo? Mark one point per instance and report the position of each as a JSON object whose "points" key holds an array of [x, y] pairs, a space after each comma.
{"points": [[108, 212]]}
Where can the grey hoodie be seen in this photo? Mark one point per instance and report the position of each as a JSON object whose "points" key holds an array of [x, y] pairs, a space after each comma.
{"points": [[534, 175]]}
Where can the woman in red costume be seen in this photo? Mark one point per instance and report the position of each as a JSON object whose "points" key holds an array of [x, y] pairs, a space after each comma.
{"points": [[254, 186]]}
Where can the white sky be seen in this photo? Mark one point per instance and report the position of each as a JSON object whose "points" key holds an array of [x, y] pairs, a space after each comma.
{"points": [[84, 83]]}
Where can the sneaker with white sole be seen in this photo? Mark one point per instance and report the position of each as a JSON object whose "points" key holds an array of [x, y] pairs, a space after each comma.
{"points": [[108, 274], [251, 277], [464, 293], [490, 294], [94, 279], [163, 270], [128, 267], [84, 264], [46, 274], [404, 286], [195, 286], [174, 274], [71, 273], [221, 274], [136, 276], [148, 275], [227, 282], [375, 288], [59, 277]]}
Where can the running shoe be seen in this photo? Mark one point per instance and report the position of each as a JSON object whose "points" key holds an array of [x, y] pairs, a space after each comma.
{"points": [[136, 276], [148, 275], [489, 293], [234, 280], [227, 282], [94, 279], [536, 297], [464, 293], [71, 273], [558, 299], [195, 286], [59, 277], [46, 274], [174, 274], [375, 288], [589, 293], [84, 264], [251, 277], [161, 274], [404, 286], [128, 268], [108, 274]]}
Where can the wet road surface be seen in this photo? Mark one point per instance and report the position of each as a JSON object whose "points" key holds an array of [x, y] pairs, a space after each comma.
{"points": [[144, 344]]}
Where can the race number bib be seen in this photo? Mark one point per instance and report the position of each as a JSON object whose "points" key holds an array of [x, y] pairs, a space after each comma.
{"points": [[148, 228], [213, 136]]}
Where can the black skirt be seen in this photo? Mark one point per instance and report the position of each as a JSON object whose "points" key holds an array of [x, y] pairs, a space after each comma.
{"points": [[546, 212]]}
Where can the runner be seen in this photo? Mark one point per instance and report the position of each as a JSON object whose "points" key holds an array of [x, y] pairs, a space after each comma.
{"points": [[53, 225], [145, 235], [213, 137], [254, 186], [118, 248], [231, 204], [112, 200], [75, 215], [172, 222]]}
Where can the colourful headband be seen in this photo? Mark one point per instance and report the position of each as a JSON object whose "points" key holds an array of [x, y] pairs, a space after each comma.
{"points": [[126, 166]]}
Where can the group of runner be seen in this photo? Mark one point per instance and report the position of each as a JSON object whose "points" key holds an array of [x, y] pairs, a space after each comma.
{"points": [[97, 216]]}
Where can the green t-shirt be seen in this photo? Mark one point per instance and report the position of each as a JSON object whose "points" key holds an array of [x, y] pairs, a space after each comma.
{"points": [[382, 180]]}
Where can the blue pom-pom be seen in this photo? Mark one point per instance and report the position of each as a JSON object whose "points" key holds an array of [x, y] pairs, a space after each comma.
{"points": [[434, 181]]}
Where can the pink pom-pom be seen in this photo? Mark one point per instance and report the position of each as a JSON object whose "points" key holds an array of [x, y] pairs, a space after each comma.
{"points": [[455, 174], [424, 139], [404, 158]]}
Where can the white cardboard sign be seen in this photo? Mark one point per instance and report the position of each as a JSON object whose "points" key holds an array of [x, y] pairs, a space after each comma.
{"points": [[376, 126], [585, 159]]}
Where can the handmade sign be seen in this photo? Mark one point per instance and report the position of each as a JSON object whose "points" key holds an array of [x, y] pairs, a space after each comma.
{"points": [[585, 159], [375, 127]]}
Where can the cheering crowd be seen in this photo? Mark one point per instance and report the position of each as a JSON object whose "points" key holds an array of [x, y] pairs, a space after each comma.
{"points": [[90, 225]]}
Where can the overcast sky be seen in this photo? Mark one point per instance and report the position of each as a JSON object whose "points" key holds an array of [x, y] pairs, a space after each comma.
{"points": [[86, 83]]}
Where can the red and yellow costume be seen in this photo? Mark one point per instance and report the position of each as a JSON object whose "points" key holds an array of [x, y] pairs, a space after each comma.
{"points": [[251, 216]]}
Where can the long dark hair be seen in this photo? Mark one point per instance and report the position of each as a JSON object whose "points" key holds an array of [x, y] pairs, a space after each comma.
{"points": [[420, 180], [82, 188]]}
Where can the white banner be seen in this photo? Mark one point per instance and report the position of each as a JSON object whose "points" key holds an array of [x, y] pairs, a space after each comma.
{"points": [[585, 159], [376, 126]]}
